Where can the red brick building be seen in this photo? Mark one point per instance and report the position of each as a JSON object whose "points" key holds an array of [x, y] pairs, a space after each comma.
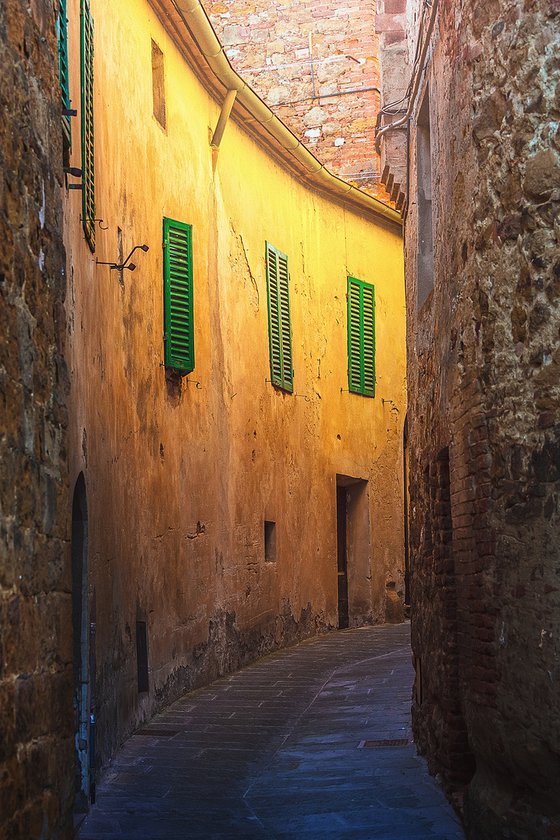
{"points": [[316, 64]]}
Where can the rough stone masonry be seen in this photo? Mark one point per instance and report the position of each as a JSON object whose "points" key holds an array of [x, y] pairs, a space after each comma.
{"points": [[36, 730], [316, 65], [484, 411]]}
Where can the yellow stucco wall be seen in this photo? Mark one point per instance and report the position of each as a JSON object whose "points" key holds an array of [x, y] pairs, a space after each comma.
{"points": [[180, 477]]}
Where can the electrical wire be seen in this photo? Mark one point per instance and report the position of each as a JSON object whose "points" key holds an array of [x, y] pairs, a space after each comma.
{"points": [[422, 44]]}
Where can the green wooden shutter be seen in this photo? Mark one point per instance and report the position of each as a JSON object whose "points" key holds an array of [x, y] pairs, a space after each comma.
{"points": [[178, 296], [86, 77], [63, 73], [361, 337], [279, 327]]}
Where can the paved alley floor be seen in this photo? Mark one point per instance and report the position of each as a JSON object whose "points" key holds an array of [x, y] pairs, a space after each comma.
{"points": [[284, 748]]}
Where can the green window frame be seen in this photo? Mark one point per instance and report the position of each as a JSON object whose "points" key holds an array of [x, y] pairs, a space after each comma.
{"points": [[88, 158], [279, 326], [63, 70], [178, 313], [361, 337]]}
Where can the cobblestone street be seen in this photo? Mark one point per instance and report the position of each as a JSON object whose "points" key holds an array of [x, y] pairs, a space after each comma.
{"points": [[285, 748]]}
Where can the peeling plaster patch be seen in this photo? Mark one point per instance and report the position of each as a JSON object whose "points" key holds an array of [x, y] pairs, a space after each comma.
{"points": [[200, 529]]}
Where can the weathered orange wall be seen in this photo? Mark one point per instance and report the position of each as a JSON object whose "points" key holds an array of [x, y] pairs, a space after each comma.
{"points": [[181, 475]]}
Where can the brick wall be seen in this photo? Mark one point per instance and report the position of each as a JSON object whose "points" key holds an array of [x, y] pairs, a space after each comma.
{"points": [[440, 727], [306, 61], [36, 770], [484, 385]]}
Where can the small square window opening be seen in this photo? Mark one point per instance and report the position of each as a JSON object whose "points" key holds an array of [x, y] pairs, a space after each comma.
{"points": [[270, 542]]}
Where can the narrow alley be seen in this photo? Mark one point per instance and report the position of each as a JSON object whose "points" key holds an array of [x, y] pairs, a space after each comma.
{"points": [[279, 420], [297, 745]]}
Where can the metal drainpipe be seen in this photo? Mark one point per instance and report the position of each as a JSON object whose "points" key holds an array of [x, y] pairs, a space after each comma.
{"points": [[223, 118]]}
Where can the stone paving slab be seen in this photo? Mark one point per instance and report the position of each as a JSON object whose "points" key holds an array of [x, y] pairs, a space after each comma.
{"points": [[278, 751]]}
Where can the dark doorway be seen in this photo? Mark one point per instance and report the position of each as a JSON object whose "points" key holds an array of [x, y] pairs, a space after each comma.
{"points": [[342, 557], [354, 555], [81, 643]]}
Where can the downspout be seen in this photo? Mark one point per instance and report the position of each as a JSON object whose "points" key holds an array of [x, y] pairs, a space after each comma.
{"points": [[223, 118], [195, 19]]}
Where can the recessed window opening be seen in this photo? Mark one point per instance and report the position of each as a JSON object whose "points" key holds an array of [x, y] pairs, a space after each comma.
{"points": [[270, 542], [158, 85], [425, 248]]}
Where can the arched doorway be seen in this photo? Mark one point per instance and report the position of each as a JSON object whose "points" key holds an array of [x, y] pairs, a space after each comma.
{"points": [[81, 642]]}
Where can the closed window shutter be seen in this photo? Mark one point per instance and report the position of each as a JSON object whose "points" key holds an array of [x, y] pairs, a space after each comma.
{"points": [[178, 296], [86, 76], [63, 73], [361, 337], [279, 327]]}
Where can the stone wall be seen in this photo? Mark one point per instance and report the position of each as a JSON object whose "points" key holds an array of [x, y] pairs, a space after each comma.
{"points": [[316, 64], [484, 394], [36, 769]]}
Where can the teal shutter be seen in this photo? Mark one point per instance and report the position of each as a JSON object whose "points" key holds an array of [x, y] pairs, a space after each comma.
{"points": [[178, 296], [86, 78], [63, 73], [361, 337], [279, 328]]}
